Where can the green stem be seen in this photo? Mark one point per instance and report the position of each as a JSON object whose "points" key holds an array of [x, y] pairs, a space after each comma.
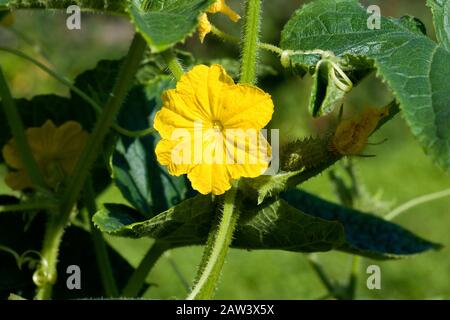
{"points": [[90, 152], [137, 279], [353, 279], [230, 38], [271, 48], [223, 35], [101, 250], [30, 206], [250, 41], [18, 132], [79, 92], [417, 201], [318, 269], [173, 64], [45, 275], [219, 241], [177, 271]]}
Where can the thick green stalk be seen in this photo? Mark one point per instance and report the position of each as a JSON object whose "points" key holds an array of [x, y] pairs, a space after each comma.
{"points": [[137, 279], [45, 276], [101, 250], [18, 132], [250, 41], [216, 250], [90, 153], [173, 64]]}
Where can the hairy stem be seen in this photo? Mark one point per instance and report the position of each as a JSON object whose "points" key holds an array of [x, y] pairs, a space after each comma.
{"points": [[100, 247], [173, 64], [137, 279], [216, 249], [250, 41], [18, 132], [89, 155], [232, 39], [46, 274]]}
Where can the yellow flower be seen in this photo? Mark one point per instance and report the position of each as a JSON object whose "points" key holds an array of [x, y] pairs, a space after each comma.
{"points": [[204, 26], [352, 134], [210, 129], [55, 149]]}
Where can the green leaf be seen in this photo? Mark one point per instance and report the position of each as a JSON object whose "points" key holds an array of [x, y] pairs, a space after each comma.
{"points": [[164, 23], [441, 20], [365, 234], [185, 224], [142, 181], [325, 94], [414, 67], [275, 225]]}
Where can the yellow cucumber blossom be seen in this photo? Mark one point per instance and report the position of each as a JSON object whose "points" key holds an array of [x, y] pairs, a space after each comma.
{"points": [[55, 149], [211, 129], [352, 134], [204, 26]]}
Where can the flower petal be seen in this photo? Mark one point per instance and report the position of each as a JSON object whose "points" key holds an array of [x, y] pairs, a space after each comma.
{"points": [[207, 178], [245, 106], [222, 7], [18, 180], [40, 140], [11, 155], [177, 162], [204, 27], [202, 88], [250, 157]]}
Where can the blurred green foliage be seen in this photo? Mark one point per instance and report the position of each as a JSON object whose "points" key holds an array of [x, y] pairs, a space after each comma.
{"points": [[399, 172]]}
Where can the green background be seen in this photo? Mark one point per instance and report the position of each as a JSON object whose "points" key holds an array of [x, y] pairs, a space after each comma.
{"points": [[399, 172]]}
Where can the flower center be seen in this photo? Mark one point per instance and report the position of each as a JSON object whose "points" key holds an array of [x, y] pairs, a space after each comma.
{"points": [[217, 125]]}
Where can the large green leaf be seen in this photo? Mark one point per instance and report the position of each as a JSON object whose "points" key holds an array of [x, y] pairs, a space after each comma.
{"points": [[414, 67], [365, 234], [275, 225], [441, 19], [185, 224], [142, 181], [164, 23]]}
